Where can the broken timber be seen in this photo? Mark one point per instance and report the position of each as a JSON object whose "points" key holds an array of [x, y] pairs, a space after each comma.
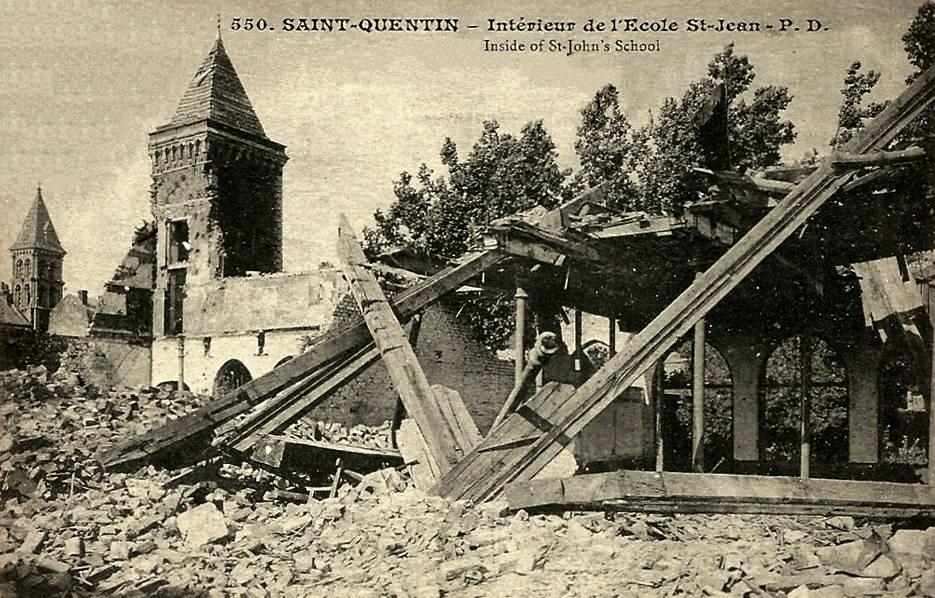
{"points": [[481, 476], [189, 428], [446, 442], [666, 492]]}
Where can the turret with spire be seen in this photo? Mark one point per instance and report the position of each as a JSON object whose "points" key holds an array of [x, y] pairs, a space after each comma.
{"points": [[37, 256], [216, 194]]}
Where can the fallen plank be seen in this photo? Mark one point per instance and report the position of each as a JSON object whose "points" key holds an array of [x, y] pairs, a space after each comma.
{"points": [[191, 427], [725, 493], [644, 349], [433, 413], [286, 409], [299, 454]]}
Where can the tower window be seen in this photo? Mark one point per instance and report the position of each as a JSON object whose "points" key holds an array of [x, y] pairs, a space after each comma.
{"points": [[18, 296], [178, 241], [19, 268]]}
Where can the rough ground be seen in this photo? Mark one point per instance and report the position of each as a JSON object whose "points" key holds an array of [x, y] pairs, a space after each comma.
{"points": [[71, 529]]}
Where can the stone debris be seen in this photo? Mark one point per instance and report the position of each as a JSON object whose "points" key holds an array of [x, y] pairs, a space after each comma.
{"points": [[219, 531]]}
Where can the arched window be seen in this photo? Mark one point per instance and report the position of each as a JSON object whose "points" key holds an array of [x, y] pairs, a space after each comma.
{"points": [[27, 269], [18, 296], [233, 374], [197, 147], [27, 296], [676, 404], [19, 268], [781, 398]]}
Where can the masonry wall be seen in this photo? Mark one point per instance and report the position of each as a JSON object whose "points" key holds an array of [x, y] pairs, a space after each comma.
{"points": [[274, 301], [204, 356], [107, 362], [448, 355]]}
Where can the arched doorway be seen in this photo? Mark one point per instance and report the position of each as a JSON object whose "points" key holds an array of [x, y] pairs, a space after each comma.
{"points": [[232, 374], [675, 378], [781, 401], [903, 415]]}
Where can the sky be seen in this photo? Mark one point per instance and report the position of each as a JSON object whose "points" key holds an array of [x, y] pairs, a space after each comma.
{"points": [[85, 82]]}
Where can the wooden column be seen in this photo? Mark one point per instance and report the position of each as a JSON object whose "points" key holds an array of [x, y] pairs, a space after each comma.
{"points": [[181, 377], [656, 393], [930, 291], [698, 370], [805, 405], [612, 336], [519, 335]]}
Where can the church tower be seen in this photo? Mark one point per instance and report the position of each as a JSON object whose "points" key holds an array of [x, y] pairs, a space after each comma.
{"points": [[37, 266], [216, 192]]}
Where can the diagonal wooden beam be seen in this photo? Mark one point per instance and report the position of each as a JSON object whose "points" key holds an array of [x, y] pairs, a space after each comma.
{"points": [[642, 351], [179, 433], [438, 426], [285, 409]]}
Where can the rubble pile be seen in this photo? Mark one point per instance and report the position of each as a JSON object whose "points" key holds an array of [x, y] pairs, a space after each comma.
{"points": [[52, 425], [213, 531], [338, 433]]}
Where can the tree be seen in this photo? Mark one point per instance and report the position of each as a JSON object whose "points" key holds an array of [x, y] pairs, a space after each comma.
{"points": [[605, 147], [719, 109], [501, 175], [852, 113], [919, 42]]}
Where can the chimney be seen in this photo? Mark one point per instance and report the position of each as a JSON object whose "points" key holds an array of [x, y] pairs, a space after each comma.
{"points": [[83, 297]]}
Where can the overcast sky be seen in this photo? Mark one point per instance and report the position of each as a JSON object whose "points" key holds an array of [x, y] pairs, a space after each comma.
{"points": [[85, 82]]}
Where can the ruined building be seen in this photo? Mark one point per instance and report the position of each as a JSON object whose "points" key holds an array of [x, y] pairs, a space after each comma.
{"points": [[37, 258], [222, 311]]}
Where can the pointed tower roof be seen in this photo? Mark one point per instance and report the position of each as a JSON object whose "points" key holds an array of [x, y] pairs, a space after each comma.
{"points": [[37, 231], [216, 93]]}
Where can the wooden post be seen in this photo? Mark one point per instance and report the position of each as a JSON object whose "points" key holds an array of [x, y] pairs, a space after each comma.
{"points": [[519, 336], [399, 412], [579, 358], [612, 336], [805, 406], [436, 424], [181, 376], [656, 392], [930, 289], [698, 370]]}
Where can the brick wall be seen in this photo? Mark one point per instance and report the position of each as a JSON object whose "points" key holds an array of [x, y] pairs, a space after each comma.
{"points": [[449, 356]]}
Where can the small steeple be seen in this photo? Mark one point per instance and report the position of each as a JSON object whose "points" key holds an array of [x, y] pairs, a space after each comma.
{"points": [[216, 93], [38, 231]]}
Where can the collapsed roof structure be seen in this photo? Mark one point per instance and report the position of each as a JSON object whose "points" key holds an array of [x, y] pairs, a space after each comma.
{"points": [[840, 251]]}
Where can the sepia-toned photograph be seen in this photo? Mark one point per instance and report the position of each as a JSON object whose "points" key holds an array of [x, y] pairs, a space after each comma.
{"points": [[467, 299]]}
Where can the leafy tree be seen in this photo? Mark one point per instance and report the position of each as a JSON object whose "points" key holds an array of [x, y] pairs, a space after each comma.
{"points": [[720, 112], [605, 147], [852, 113], [501, 175], [919, 42]]}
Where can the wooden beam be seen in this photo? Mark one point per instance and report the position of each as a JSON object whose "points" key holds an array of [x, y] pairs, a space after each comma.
{"points": [[299, 400], [180, 432], [881, 158], [724, 493], [438, 427], [698, 373], [642, 351]]}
